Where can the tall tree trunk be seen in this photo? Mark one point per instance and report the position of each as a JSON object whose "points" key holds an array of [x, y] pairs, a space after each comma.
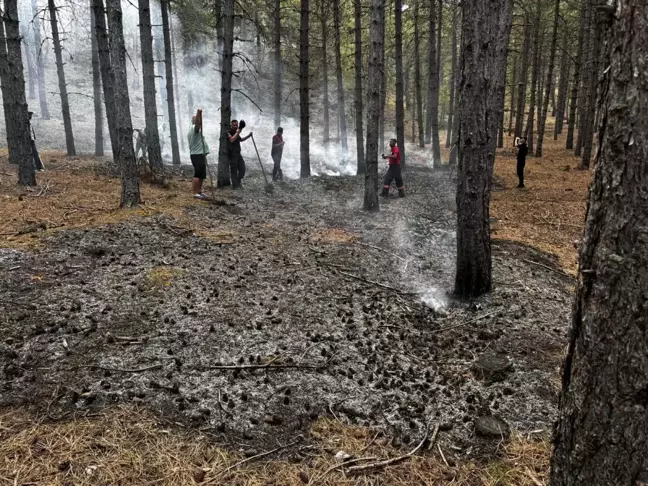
{"points": [[176, 80], [124, 127], [456, 120], [13, 96], [96, 86], [451, 104], [31, 69], [524, 78], [400, 108], [65, 104], [325, 74], [578, 65], [486, 27], [534, 78], [40, 63], [340, 84], [439, 64], [433, 90], [550, 78], [588, 123], [277, 63], [150, 100], [586, 75], [383, 100], [417, 77], [158, 63], [513, 91], [360, 149], [170, 83], [374, 80], [500, 132], [107, 73], [563, 84], [226, 93], [304, 108], [600, 438]]}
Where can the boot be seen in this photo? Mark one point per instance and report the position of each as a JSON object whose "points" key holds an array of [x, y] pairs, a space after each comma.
{"points": [[385, 192], [401, 193]]}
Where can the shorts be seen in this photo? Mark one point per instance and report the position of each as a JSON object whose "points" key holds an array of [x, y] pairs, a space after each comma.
{"points": [[199, 162]]}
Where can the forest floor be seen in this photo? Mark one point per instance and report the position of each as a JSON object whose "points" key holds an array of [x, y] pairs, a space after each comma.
{"points": [[249, 341]]}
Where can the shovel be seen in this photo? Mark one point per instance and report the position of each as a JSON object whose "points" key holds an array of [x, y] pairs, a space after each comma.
{"points": [[269, 188]]}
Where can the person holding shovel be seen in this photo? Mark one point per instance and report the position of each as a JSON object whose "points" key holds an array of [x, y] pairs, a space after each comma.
{"points": [[199, 149], [236, 162], [276, 153]]}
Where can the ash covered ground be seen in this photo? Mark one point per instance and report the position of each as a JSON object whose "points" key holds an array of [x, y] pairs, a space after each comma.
{"points": [[349, 313]]}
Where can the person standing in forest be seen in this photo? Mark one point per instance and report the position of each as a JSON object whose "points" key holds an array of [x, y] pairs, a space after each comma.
{"points": [[38, 163], [523, 149], [276, 153], [236, 162], [394, 171], [199, 149]]}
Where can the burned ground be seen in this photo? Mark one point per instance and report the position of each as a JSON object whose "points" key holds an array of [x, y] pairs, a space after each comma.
{"points": [[316, 307]]}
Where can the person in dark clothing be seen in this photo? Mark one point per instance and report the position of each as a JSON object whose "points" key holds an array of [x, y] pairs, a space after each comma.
{"points": [[523, 149], [236, 162], [276, 153], [394, 171], [38, 163]]}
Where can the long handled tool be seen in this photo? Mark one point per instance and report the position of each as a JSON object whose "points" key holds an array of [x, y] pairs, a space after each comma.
{"points": [[211, 180], [269, 188]]}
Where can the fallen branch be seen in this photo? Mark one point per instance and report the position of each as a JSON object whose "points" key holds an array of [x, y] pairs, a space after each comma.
{"points": [[380, 249], [258, 456], [387, 287], [119, 370], [268, 366], [338, 466], [395, 460], [555, 270], [466, 323]]}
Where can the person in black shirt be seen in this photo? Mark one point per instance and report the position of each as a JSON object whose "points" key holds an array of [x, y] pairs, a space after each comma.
{"points": [[236, 162], [276, 153], [523, 149]]}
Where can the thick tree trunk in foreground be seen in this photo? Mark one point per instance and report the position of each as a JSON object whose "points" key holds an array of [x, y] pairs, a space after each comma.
{"points": [[563, 84], [13, 96], [486, 27], [223, 179], [433, 90], [277, 63], [400, 107], [40, 63], [590, 112], [124, 127], [170, 83], [374, 80], [150, 100], [65, 103], [96, 86], [528, 131], [360, 149], [600, 438], [456, 125], [549, 87], [451, 104], [524, 76], [340, 83], [575, 94], [304, 108], [417, 77]]}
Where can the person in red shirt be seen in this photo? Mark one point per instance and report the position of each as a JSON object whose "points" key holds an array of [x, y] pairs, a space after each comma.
{"points": [[394, 171]]}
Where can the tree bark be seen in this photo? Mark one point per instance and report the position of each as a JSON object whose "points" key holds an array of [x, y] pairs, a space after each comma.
{"points": [[65, 103], [13, 96], [158, 56], [170, 83], [359, 109], [150, 99], [304, 107], [451, 104], [176, 79], [432, 119], [31, 70], [40, 63], [550, 78], [277, 63], [223, 179], [486, 27], [534, 78], [586, 73], [524, 78], [340, 84], [124, 127], [456, 125], [590, 112], [600, 438], [96, 86], [374, 80], [325, 74], [383, 98], [417, 77], [400, 107], [578, 64], [563, 84], [513, 90], [439, 64]]}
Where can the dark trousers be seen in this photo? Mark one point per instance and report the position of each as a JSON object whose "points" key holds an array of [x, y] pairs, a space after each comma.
{"points": [[394, 172], [520, 170], [277, 174], [237, 169], [38, 163]]}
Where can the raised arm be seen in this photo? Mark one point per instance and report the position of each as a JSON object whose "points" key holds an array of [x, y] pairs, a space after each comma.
{"points": [[198, 124]]}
